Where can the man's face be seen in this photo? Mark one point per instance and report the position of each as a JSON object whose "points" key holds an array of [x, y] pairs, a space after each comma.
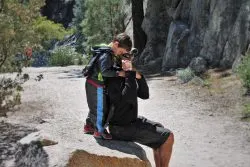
{"points": [[119, 50]]}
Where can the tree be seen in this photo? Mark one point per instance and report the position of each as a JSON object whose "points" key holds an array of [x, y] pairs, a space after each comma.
{"points": [[78, 10], [103, 20], [140, 38], [22, 26], [21, 29]]}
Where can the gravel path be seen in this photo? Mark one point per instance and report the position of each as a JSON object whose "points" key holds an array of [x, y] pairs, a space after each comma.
{"points": [[56, 106]]}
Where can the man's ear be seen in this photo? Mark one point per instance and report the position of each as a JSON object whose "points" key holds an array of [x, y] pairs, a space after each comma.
{"points": [[116, 44]]}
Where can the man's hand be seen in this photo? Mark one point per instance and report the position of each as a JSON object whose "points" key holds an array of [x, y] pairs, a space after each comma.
{"points": [[138, 75], [126, 65], [121, 73]]}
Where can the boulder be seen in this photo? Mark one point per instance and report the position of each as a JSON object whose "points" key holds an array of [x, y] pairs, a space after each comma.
{"points": [[38, 147], [216, 30], [174, 56], [198, 65], [59, 11]]}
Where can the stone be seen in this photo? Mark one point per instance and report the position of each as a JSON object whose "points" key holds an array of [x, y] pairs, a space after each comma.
{"points": [[59, 11], [216, 30], [174, 56], [81, 157], [31, 154], [198, 65]]}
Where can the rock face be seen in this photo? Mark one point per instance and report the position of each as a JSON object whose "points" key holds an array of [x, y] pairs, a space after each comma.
{"points": [[178, 31], [60, 11], [10, 135], [198, 65]]}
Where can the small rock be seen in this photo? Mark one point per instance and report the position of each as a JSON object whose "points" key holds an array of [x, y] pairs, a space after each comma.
{"points": [[47, 142], [211, 115]]}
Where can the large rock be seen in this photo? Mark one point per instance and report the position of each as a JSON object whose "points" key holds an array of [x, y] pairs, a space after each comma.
{"points": [[60, 11], [176, 44], [198, 65], [155, 24], [10, 135], [218, 31]]}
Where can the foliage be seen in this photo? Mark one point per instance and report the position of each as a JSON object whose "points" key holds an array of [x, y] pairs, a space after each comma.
{"points": [[246, 111], [10, 92], [78, 10], [21, 27], [46, 29], [244, 71], [185, 75], [64, 56], [103, 20]]}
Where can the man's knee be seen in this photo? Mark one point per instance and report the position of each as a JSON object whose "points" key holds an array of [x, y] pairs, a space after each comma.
{"points": [[170, 139]]}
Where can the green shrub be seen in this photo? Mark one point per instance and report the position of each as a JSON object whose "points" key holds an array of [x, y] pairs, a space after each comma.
{"points": [[246, 111], [21, 27], [185, 75], [65, 56], [244, 71], [10, 92], [47, 29]]}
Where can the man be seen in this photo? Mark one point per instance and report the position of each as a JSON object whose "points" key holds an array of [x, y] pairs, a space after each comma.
{"points": [[104, 68], [125, 123]]}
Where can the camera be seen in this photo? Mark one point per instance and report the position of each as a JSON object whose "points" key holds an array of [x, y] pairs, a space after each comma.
{"points": [[133, 52]]}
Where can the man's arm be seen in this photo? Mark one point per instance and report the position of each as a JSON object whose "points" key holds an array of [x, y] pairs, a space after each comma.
{"points": [[123, 89], [143, 90], [129, 91], [106, 66]]}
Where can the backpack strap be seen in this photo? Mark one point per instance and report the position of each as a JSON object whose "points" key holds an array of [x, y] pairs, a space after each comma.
{"points": [[97, 52]]}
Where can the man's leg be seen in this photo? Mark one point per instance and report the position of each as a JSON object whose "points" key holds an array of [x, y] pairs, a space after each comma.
{"points": [[154, 135], [165, 151], [157, 157]]}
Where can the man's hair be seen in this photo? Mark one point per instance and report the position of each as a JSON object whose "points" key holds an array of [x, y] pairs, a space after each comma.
{"points": [[124, 41]]}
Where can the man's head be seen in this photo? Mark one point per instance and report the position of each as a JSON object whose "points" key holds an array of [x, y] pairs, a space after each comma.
{"points": [[121, 44]]}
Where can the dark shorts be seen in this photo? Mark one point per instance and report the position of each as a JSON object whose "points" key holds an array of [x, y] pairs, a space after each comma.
{"points": [[143, 131]]}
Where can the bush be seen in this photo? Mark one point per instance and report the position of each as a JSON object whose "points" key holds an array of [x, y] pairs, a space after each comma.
{"points": [[64, 56], [47, 29], [23, 27], [244, 71], [246, 111], [10, 92], [185, 75]]}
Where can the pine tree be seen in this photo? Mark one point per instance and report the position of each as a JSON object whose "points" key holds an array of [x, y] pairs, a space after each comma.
{"points": [[78, 10], [103, 20]]}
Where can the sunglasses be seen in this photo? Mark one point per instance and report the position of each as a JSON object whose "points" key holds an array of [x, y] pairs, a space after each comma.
{"points": [[131, 54], [127, 56]]}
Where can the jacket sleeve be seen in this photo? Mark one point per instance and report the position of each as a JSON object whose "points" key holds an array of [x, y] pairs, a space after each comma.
{"points": [[123, 90], [129, 91], [106, 66], [143, 90]]}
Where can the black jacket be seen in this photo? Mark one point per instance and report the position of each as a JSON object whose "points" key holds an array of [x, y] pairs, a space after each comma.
{"points": [[123, 93], [105, 64]]}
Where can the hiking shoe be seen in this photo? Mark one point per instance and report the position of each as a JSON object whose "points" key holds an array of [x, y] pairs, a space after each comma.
{"points": [[102, 135], [88, 129]]}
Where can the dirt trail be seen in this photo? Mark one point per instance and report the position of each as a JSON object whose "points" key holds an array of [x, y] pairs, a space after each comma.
{"points": [[205, 134]]}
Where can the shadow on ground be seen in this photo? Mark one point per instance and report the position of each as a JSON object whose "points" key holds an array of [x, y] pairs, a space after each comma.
{"points": [[71, 74], [125, 147]]}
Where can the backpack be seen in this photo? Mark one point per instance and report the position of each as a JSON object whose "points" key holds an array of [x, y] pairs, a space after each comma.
{"points": [[97, 52]]}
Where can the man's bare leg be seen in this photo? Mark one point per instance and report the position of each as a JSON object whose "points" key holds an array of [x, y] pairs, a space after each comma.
{"points": [[157, 157], [165, 151]]}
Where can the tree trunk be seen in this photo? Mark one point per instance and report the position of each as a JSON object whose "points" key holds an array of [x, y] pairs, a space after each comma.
{"points": [[5, 55], [140, 37]]}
